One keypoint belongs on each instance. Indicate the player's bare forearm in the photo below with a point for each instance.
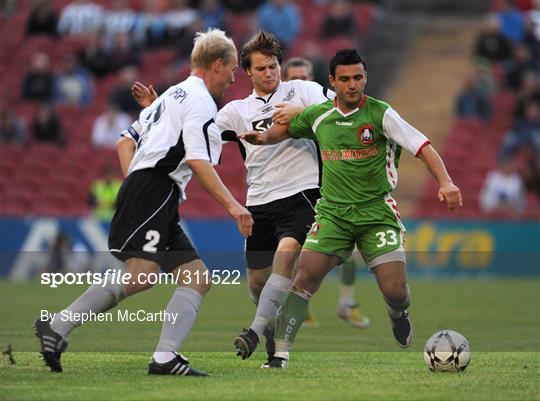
(448, 191)
(275, 134)
(125, 148)
(210, 181)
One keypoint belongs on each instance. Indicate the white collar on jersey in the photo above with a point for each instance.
(266, 98)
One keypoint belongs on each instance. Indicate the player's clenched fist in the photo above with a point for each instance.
(451, 194)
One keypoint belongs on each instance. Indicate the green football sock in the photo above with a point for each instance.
(348, 272)
(293, 313)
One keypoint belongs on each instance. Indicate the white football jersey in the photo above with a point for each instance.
(178, 126)
(280, 170)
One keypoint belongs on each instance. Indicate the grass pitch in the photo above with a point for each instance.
(335, 361)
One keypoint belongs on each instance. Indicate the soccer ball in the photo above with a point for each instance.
(447, 351)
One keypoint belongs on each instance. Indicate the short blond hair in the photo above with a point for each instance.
(210, 46)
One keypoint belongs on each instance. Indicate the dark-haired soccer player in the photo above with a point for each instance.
(347, 309)
(360, 139)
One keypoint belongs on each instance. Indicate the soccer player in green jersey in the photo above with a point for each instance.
(360, 140)
(347, 308)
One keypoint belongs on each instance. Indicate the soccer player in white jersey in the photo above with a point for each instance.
(174, 138)
(347, 308)
(283, 182)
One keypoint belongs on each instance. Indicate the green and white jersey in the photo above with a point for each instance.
(360, 149)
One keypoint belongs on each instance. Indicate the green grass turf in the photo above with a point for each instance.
(108, 360)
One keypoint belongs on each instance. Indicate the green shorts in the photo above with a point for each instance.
(375, 228)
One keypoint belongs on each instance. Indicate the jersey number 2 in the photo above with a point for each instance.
(153, 239)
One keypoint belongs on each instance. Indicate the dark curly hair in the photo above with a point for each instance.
(263, 42)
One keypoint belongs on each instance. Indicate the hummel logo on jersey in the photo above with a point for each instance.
(345, 123)
(289, 96)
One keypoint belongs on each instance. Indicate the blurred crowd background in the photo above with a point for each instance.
(66, 68)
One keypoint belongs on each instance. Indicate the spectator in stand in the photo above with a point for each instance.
(532, 42)
(533, 17)
(7, 8)
(516, 68)
(529, 169)
(103, 193)
(46, 127)
(38, 83)
(107, 127)
(529, 92)
(472, 101)
(182, 22)
(120, 95)
(339, 22)
(96, 57)
(43, 19)
(119, 19)
(525, 132)
(74, 85)
(12, 130)
(491, 44)
(212, 15)
(124, 52)
(485, 79)
(511, 20)
(503, 190)
(282, 18)
(178, 19)
(80, 18)
(150, 27)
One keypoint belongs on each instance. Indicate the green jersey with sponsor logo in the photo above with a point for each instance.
(359, 149)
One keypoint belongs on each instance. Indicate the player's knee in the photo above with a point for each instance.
(307, 280)
(398, 297)
(256, 284)
(204, 288)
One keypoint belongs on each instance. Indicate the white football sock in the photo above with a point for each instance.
(271, 298)
(184, 304)
(97, 298)
(346, 295)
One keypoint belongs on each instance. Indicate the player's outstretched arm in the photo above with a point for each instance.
(210, 181)
(276, 133)
(447, 190)
(144, 95)
(125, 147)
